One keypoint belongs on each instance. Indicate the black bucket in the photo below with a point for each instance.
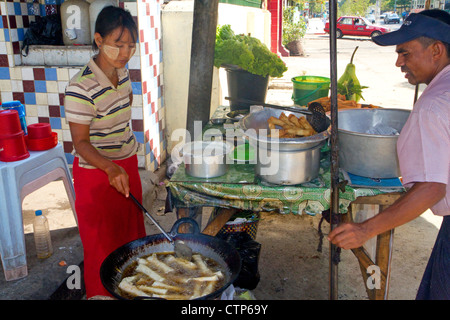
(245, 85)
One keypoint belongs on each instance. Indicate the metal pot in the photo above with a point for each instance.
(369, 155)
(288, 167)
(206, 159)
(222, 252)
(282, 161)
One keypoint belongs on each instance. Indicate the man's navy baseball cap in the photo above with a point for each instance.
(422, 24)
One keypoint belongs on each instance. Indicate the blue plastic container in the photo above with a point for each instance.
(20, 108)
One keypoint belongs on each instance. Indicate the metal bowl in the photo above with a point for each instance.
(282, 161)
(254, 123)
(365, 154)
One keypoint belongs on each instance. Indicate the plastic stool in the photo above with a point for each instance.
(17, 180)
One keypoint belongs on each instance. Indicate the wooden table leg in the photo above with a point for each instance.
(223, 215)
(182, 212)
(383, 260)
(213, 226)
(364, 263)
(377, 286)
(185, 213)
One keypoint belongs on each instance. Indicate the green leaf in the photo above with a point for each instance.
(246, 52)
(348, 88)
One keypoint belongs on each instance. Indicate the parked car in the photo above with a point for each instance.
(356, 26)
(391, 18)
(371, 18)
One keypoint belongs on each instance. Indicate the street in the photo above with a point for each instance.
(375, 68)
(316, 25)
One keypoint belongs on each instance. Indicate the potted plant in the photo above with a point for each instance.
(249, 64)
(293, 32)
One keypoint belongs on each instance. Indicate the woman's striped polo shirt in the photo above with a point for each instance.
(91, 99)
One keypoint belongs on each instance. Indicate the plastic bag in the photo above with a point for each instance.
(45, 30)
(249, 250)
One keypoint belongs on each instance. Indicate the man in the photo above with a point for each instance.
(423, 48)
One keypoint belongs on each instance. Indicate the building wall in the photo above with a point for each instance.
(419, 5)
(276, 33)
(177, 21)
(153, 111)
(41, 88)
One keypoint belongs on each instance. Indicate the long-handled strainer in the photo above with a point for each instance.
(181, 249)
(315, 114)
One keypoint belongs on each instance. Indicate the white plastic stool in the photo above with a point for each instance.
(17, 180)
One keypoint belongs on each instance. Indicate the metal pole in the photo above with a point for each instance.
(334, 209)
(202, 62)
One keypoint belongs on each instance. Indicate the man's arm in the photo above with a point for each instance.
(422, 196)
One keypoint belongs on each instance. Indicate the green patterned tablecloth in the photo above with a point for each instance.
(240, 188)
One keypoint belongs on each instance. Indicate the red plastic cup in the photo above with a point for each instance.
(42, 144)
(39, 131)
(13, 147)
(9, 122)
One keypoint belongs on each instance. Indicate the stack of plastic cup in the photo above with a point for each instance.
(12, 140)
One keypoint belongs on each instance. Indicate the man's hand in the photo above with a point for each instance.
(349, 235)
(418, 199)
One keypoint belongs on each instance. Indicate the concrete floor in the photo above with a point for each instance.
(56, 277)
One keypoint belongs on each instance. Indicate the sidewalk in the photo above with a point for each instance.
(315, 26)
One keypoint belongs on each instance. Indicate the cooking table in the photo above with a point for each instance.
(241, 188)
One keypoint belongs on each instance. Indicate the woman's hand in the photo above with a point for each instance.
(118, 178)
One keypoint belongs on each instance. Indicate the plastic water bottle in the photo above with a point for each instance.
(42, 238)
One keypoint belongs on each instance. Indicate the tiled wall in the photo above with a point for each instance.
(149, 23)
(41, 89)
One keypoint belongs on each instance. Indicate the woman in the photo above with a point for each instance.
(98, 108)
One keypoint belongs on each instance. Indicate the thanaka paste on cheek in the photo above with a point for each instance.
(111, 52)
(132, 53)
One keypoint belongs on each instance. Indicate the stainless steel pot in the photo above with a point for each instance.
(282, 161)
(369, 155)
(288, 167)
(206, 159)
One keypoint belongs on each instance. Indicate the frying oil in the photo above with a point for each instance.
(175, 277)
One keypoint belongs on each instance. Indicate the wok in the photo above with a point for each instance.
(222, 252)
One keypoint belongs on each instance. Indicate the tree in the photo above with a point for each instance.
(292, 29)
(315, 6)
(353, 7)
(396, 5)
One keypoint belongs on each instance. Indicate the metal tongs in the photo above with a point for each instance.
(315, 113)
